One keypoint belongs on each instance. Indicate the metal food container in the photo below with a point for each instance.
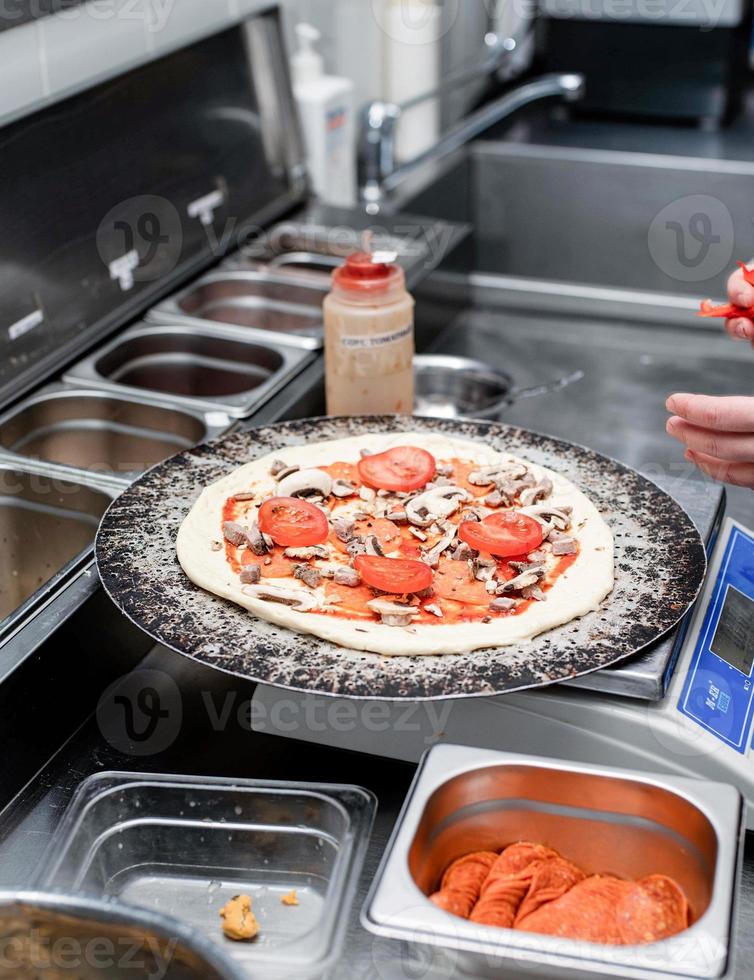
(311, 250)
(455, 387)
(208, 368)
(311, 263)
(47, 524)
(41, 934)
(182, 846)
(87, 430)
(604, 820)
(264, 304)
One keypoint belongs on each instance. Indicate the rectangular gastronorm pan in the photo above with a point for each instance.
(47, 525)
(182, 846)
(209, 368)
(605, 820)
(80, 429)
(311, 263)
(262, 305)
(312, 248)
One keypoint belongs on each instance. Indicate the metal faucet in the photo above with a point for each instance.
(379, 172)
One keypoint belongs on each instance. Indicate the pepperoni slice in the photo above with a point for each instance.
(279, 567)
(549, 880)
(386, 532)
(586, 912)
(509, 882)
(520, 856)
(462, 881)
(654, 909)
(533, 888)
(453, 580)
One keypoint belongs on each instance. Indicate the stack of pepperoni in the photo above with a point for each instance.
(532, 888)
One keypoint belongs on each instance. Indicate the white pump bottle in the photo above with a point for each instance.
(326, 108)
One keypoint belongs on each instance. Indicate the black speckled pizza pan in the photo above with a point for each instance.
(660, 567)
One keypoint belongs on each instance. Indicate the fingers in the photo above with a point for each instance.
(730, 413)
(729, 446)
(739, 474)
(739, 291)
(719, 434)
(740, 328)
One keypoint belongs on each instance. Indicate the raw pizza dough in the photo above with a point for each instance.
(579, 590)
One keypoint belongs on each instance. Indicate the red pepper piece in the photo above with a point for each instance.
(748, 273)
(728, 310)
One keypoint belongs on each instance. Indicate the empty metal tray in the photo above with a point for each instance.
(209, 368)
(46, 524)
(307, 262)
(310, 251)
(604, 820)
(84, 429)
(262, 304)
(183, 846)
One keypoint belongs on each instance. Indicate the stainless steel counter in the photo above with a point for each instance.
(200, 748)
(625, 372)
(627, 369)
(62, 688)
(616, 406)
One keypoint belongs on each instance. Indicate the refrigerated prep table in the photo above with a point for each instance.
(117, 355)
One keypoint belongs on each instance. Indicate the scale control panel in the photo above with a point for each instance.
(718, 690)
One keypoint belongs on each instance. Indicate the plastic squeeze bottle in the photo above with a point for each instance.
(369, 339)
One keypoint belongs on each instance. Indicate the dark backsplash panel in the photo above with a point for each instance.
(116, 169)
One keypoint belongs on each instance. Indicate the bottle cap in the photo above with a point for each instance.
(307, 64)
(362, 274)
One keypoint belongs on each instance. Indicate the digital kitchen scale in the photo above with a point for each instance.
(701, 727)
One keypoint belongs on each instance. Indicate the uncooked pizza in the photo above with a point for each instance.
(401, 544)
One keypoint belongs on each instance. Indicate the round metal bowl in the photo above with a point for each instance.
(454, 387)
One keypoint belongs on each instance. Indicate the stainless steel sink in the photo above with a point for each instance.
(84, 429)
(574, 273)
(627, 231)
(207, 368)
(46, 525)
(262, 303)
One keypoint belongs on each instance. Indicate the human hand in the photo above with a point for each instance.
(718, 433)
(740, 293)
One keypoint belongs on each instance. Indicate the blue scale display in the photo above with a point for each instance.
(718, 692)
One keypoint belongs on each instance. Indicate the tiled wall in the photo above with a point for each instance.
(342, 21)
(355, 44)
(47, 59)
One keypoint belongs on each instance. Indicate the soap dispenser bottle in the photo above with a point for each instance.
(326, 109)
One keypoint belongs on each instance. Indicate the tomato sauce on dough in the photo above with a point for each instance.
(461, 598)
